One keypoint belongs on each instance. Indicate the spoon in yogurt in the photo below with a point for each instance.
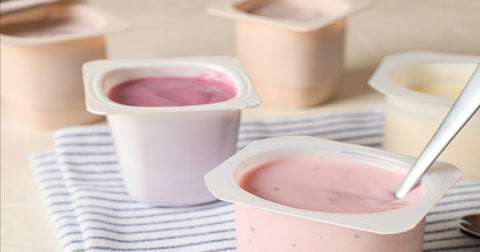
(462, 110)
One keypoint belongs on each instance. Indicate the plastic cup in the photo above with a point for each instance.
(263, 225)
(164, 152)
(420, 89)
(293, 63)
(43, 49)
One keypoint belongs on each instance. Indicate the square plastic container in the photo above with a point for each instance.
(293, 62)
(263, 225)
(43, 49)
(164, 152)
(420, 89)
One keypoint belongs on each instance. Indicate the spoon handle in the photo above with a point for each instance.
(465, 106)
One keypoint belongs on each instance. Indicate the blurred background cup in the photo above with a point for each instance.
(292, 50)
(42, 52)
(264, 225)
(420, 89)
(164, 152)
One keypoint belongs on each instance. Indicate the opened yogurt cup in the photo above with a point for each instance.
(420, 89)
(292, 49)
(43, 49)
(303, 193)
(165, 149)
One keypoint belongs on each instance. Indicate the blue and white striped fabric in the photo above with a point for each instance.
(90, 209)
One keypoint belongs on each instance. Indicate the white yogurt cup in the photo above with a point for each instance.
(263, 225)
(420, 89)
(292, 63)
(43, 49)
(164, 152)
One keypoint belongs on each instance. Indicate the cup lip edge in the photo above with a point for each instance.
(381, 82)
(229, 190)
(112, 24)
(226, 9)
(97, 101)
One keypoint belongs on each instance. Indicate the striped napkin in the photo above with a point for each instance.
(90, 209)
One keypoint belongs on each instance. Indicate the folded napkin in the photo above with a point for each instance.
(90, 209)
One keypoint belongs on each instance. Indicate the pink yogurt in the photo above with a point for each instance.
(299, 193)
(328, 184)
(171, 91)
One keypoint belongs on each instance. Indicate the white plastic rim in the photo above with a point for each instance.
(109, 23)
(222, 183)
(382, 81)
(95, 73)
(336, 10)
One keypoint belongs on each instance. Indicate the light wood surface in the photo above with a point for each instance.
(170, 28)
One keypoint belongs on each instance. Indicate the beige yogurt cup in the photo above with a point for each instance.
(420, 89)
(292, 50)
(43, 49)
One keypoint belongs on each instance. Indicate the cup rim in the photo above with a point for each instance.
(382, 82)
(221, 181)
(112, 24)
(94, 73)
(228, 10)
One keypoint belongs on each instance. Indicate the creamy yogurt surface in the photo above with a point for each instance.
(171, 91)
(328, 184)
(439, 88)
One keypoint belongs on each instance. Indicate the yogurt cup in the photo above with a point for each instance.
(294, 60)
(420, 89)
(263, 225)
(164, 152)
(43, 49)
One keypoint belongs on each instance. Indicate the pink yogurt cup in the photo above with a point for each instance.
(164, 152)
(263, 225)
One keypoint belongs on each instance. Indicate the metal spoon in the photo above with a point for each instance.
(470, 225)
(465, 106)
